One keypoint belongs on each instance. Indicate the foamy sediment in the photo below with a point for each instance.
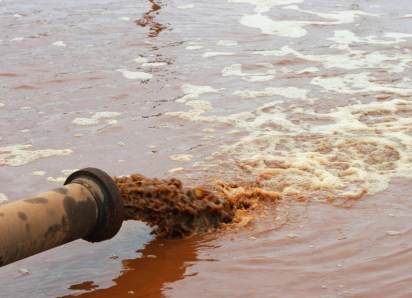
(353, 150)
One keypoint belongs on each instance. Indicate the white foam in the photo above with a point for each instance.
(68, 172)
(189, 6)
(175, 170)
(236, 70)
(124, 19)
(3, 198)
(226, 43)
(103, 115)
(85, 121)
(59, 43)
(288, 92)
(213, 54)
(351, 60)
(193, 48)
(232, 132)
(2, 105)
(294, 29)
(58, 179)
(264, 5)
(345, 38)
(264, 64)
(140, 60)
(209, 130)
(193, 92)
(258, 79)
(208, 138)
(17, 39)
(361, 83)
(18, 155)
(181, 157)
(154, 64)
(111, 122)
(39, 173)
(135, 75)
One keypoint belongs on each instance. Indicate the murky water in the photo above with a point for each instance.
(307, 99)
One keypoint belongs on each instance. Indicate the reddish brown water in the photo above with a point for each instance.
(309, 99)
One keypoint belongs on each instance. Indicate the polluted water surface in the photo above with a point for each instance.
(299, 109)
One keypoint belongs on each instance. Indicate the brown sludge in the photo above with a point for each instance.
(175, 211)
(178, 211)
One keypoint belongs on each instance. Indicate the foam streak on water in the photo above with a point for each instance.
(308, 100)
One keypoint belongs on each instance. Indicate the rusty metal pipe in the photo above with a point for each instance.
(88, 206)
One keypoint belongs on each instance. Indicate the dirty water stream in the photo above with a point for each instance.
(306, 101)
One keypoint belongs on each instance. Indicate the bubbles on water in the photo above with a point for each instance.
(192, 92)
(154, 64)
(213, 54)
(181, 157)
(85, 121)
(39, 173)
(111, 122)
(59, 43)
(24, 271)
(94, 120)
(141, 60)
(175, 170)
(135, 75)
(193, 48)
(183, 7)
(226, 43)
(393, 233)
(18, 155)
(68, 172)
(58, 179)
(3, 198)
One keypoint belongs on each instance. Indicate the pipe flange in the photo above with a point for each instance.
(110, 206)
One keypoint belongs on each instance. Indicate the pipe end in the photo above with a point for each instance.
(110, 206)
